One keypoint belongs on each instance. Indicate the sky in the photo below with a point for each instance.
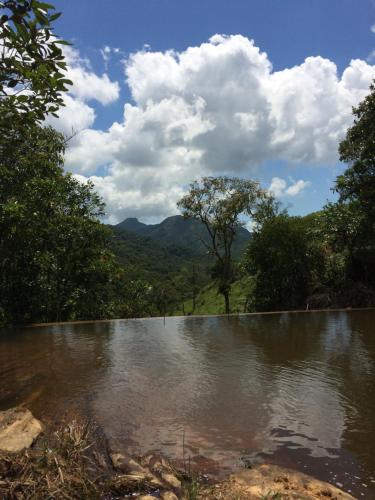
(167, 91)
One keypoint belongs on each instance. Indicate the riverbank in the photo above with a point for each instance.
(74, 462)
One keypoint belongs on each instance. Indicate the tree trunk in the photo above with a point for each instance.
(226, 298)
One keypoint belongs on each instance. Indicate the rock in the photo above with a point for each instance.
(18, 429)
(262, 479)
(168, 495)
(160, 464)
(127, 464)
(136, 468)
(119, 461)
(155, 481)
(171, 480)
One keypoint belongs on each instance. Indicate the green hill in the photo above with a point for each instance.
(149, 259)
(169, 257)
(180, 232)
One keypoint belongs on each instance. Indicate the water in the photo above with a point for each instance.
(294, 389)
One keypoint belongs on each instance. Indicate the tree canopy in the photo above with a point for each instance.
(280, 258)
(32, 65)
(55, 258)
(222, 204)
(55, 262)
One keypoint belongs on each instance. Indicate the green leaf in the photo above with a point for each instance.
(54, 17)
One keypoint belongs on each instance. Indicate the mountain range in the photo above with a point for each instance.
(175, 231)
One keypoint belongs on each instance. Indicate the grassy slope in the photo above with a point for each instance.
(209, 301)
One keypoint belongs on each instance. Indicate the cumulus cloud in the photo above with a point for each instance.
(213, 109)
(87, 85)
(74, 116)
(372, 28)
(77, 115)
(279, 187)
(297, 187)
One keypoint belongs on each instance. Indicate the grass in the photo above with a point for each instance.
(191, 487)
(209, 301)
(68, 464)
(55, 469)
(271, 495)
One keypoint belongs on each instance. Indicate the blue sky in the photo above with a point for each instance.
(276, 118)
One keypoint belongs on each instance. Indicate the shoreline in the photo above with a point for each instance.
(231, 315)
(76, 462)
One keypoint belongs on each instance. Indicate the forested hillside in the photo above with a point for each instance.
(184, 233)
(171, 261)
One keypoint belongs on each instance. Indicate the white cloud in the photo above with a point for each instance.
(212, 109)
(86, 84)
(107, 52)
(372, 28)
(277, 187)
(280, 188)
(77, 115)
(74, 116)
(297, 187)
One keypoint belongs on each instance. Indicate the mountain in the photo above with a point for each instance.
(177, 231)
(147, 258)
(170, 258)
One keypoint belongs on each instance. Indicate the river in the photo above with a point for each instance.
(295, 389)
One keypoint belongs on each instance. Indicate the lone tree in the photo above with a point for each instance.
(222, 204)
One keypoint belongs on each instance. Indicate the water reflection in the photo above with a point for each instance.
(53, 369)
(296, 389)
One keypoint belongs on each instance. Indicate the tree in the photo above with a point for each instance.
(356, 189)
(280, 259)
(55, 258)
(55, 262)
(32, 65)
(222, 204)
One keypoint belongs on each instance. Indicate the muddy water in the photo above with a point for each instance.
(294, 389)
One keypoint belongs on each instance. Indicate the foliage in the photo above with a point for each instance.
(356, 189)
(325, 259)
(133, 297)
(32, 66)
(54, 258)
(280, 259)
(218, 203)
(209, 301)
(171, 273)
(180, 236)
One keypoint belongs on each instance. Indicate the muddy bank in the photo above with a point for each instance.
(74, 462)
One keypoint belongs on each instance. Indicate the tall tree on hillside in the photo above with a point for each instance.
(223, 204)
(356, 189)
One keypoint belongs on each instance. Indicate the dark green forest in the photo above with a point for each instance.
(59, 261)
